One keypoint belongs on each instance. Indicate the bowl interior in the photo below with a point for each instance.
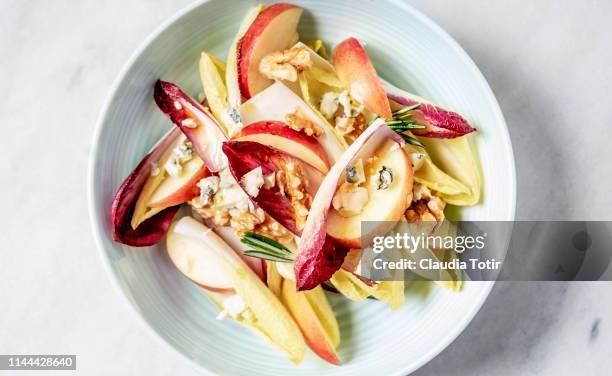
(409, 51)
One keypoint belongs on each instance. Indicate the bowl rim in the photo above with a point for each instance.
(95, 219)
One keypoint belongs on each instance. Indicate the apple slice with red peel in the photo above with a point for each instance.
(234, 98)
(195, 258)
(278, 135)
(313, 314)
(154, 228)
(271, 316)
(278, 101)
(438, 122)
(228, 234)
(244, 156)
(315, 248)
(384, 207)
(195, 122)
(274, 29)
(180, 189)
(142, 209)
(356, 71)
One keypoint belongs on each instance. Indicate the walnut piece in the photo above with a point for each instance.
(292, 183)
(425, 206)
(285, 65)
(298, 123)
(350, 127)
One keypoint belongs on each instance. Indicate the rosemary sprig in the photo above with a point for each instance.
(406, 109)
(266, 248)
(411, 140)
(402, 122)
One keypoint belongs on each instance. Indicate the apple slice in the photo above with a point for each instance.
(438, 122)
(314, 316)
(195, 122)
(278, 135)
(245, 156)
(356, 71)
(278, 101)
(272, 317)
(151, 230)
(234, 98)
(312, 264)
(274, 29)
(385, 206)
(196, 259)
(142, 208)
(180, 189)
(228, 234)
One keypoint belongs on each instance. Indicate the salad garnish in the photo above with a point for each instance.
(265, 248)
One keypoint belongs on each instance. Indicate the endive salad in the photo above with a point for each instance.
(277, 165)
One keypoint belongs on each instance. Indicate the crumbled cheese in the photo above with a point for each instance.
(385, 178)
(355, 174)
(350, 199)
(177, 105)
(232, 197)
(329, 104)
(344, 125)
(227, 179)
(154, 169)
(345, 100)
(233, 306)
(252, 181)
(417, 160)
(181, 154)
(421, 192)
(209, 186)
(184, 152)
(173, 167)
(232, 116)
(189, 123)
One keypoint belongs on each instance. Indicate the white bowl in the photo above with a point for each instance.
(410, 51)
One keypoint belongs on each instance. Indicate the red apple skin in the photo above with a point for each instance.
(309, 324)
(356, 71)
(277, 128)
(249, 39)
(213, 289)
(186, 192)
(438, 122)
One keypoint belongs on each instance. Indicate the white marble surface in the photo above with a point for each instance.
(547, 61)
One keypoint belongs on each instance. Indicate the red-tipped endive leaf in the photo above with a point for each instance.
(317, 259)
(438, 122)
(153, 229)
(244, 156)
(194, 121)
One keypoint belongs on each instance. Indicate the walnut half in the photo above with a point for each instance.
(285, 65)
